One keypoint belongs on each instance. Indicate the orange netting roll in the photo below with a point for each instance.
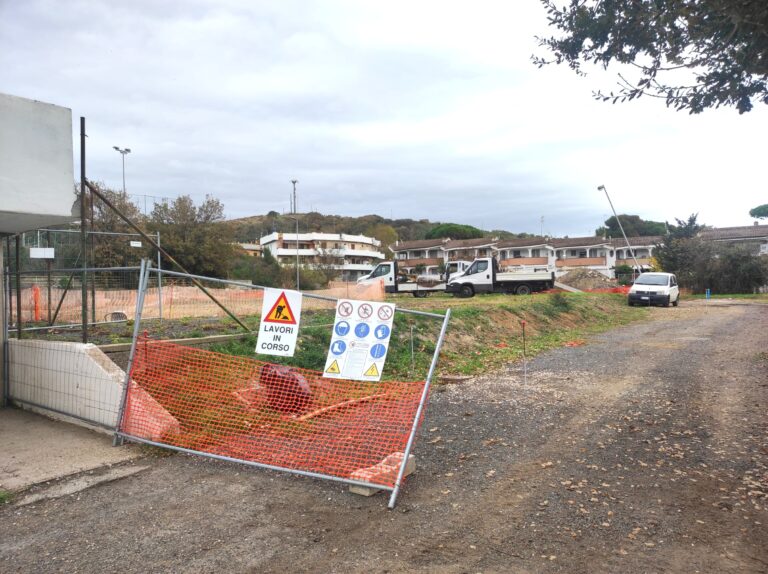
(270, 414)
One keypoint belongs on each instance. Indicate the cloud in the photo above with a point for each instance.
(422, 110)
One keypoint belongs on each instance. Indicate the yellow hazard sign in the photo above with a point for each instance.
(281, 312)
(333, 368)
(372, 371)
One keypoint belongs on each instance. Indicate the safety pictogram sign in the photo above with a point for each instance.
(360, 340)
(280, 317)
(333, 368)
(373, 371)
(281, 311)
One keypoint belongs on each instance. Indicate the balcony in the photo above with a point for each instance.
(523, 261)
(415, 262)
(642, 261)
(581, 262)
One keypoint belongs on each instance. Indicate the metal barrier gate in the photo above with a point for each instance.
(271, 416)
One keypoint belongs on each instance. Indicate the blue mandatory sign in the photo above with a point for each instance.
(338, 347)
(378, 351)
(362, 330)
(341, 328)
(381, 332)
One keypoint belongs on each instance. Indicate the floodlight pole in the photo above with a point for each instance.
(124, 152)
(631, 251)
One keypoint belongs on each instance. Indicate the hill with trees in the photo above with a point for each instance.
(250, 229)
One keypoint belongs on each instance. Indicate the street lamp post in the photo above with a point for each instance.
(296, 219)
(631, 251)
(122, 152)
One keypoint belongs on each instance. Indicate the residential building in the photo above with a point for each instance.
(252, 249)
(424, 256)
(530, 251)
(352, 255)
(755, 237)
(469, 249)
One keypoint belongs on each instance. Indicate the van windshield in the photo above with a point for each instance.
(652, 279)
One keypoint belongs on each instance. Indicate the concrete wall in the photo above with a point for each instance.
(78, 383)
(73, 378)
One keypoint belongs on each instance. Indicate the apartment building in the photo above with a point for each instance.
(560, 255)
(754, 237)
(424, 256)
(352, 255)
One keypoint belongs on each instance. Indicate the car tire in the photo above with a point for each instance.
(666, 303)
(420, 294)
(676, 301)
(523, 289)
(467, 291)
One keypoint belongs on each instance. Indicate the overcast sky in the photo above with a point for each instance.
(419, 109)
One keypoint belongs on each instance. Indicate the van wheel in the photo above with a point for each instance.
(676, 301)
(467, 291)
(666, 303)
(523, 289)
(420, 294)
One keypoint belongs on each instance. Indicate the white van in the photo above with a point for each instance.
(654, 289)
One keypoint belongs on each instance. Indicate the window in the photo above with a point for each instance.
(478, 267)
(516, 254)
(381, 270)
(535, 252)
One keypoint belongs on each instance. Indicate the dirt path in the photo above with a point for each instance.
(645, 450)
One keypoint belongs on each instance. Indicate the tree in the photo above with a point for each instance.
(734, 269)
(633, 226)
(262, 270)
(721, 45)
(195, 236)
(759, 212)
(454, 231)
(116, 250)
(681, 251)
(386, 234)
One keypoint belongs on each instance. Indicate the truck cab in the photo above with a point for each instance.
(483, 276)
(479, 277)
(386, 272)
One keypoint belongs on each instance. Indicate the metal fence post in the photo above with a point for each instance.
(143, 277)
(159, 280)
(422, 402)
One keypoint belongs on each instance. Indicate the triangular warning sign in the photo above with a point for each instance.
(373, 371)
(280, 312)
(333, 368)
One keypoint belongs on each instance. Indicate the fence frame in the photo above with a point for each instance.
(120, 436)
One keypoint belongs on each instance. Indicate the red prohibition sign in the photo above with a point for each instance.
(385, 313)
(345, 309)
(365, 310)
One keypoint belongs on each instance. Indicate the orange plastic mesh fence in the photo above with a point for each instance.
(270, 414)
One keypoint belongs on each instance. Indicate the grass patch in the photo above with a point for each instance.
(5, 496)
(484, 333)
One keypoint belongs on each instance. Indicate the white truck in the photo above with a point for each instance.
(483, 276)
(421, 286)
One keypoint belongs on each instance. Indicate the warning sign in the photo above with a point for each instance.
(373, 371)
(281, 311)
(333, 368)
(360, 340)
(279, 328)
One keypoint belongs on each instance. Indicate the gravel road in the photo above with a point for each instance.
(645, 450)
